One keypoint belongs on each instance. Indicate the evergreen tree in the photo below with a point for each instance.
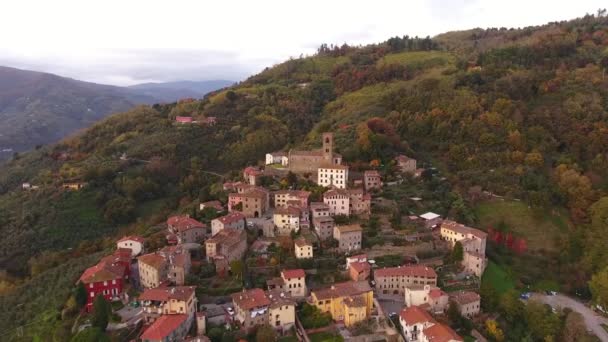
(101, 313)
(81, 295)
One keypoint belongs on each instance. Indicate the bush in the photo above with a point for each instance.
(312, 317)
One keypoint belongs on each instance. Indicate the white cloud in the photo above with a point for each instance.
(128, 41)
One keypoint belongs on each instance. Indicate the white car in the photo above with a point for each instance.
(230, 311)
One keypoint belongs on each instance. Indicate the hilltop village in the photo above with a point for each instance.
(291, 264)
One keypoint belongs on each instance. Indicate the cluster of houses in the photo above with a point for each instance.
(170, 308)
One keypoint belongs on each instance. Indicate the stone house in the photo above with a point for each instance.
(372, 180)
(349, 237)
(234, 220)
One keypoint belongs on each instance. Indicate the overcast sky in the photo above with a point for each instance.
(125, 42)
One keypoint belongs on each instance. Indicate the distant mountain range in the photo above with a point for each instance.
(171, 91)
(38, 108)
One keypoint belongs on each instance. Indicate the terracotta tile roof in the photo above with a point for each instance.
(102, 272)
(250, 299)
(231, 218)
(465, 297)
(441, 333)
(371, 173)
(462, 229)
(415, 314)
(349, 288)
(437, 293)
(315, 153)
(154, 260)
(213, 204)
(354, 302)
(407, 270)
(228, 237)
(255, 193)
(279, 298)
(302, 242)
(336, 193)
(360, 266)
(322, 219)
(296, 273)
(183, 223)
(333, 166)
(319, 206)
(133, 238)
(349, 228)
(295, 193)
(293, 211)
(163, 294)
(163, 327)
(252, 171)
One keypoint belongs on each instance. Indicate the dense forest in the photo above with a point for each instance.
(520, 113)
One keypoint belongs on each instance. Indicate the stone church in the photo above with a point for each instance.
(310, 161)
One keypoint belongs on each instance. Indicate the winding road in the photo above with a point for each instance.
(593, 320)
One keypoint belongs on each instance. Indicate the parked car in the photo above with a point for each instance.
(525, 296)
(230, 311)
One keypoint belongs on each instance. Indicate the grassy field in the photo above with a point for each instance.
(498, 277)
(325, 337)
(539, 227)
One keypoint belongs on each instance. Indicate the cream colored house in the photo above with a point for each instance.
(405, 164)
(152, 270)
(468, 302)
(282, 310)
(303, 249)
(333, 175)
(230, 243)
(234, 220)
(283, 198)
(338, 202)
(473, 243)
(347, 202)
(394, 280)
(427, 296)
(349, 237)
(291, 281)
(255, 307)
(177, 300)
(286, 220)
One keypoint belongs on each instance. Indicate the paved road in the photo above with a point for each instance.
(593, 320)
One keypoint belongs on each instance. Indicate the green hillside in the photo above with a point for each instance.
(521, 113)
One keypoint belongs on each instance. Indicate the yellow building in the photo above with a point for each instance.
(350, 302)
(178, 300)
(355, 311)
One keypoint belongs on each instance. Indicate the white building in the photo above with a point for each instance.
(134, 243)
(473, 243)
(413, 321)
(431, 297)
(338, 202)
(333, 176)
(277, 158)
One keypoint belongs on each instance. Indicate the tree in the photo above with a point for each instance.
(80, 295)
(575, 329)
(457, 252)
(101, 313)
(494, 330)
(92, 334)
(599, 287)
(236, 267)
(511, 306)
(266, 333)
(542, 323)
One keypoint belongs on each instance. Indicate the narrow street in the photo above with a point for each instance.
(593, 320)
